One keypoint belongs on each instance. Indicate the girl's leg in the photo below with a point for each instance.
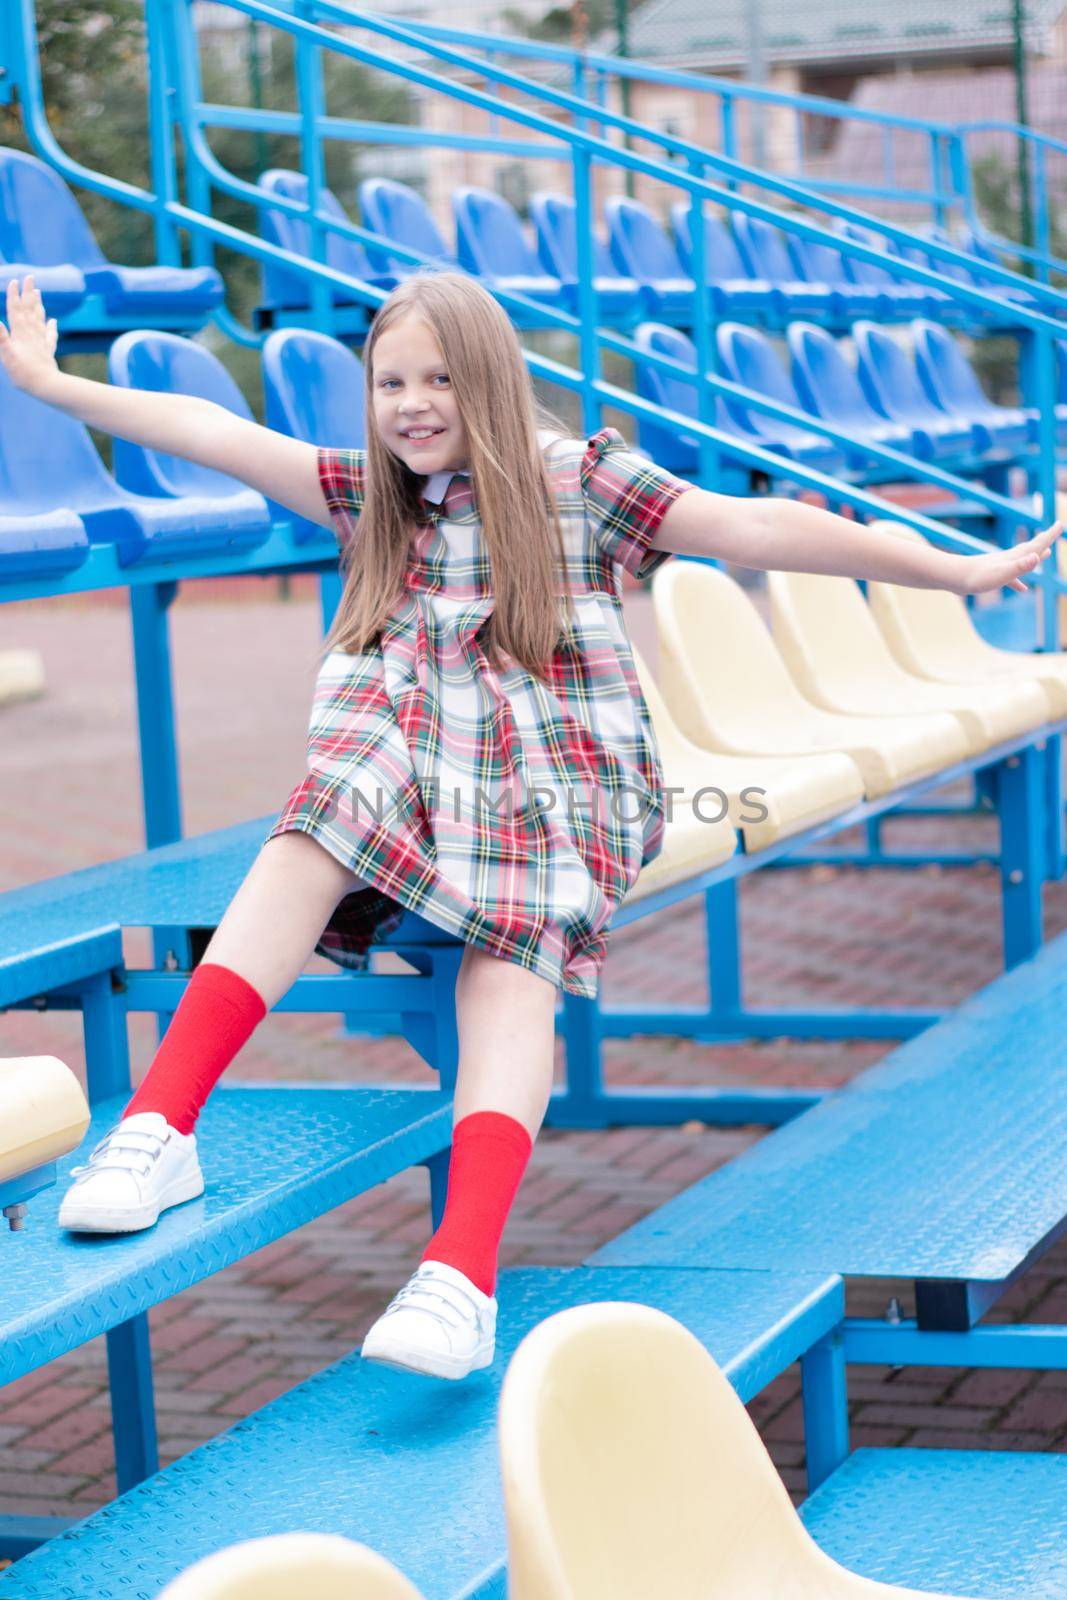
(256, 953)
(506, 1021)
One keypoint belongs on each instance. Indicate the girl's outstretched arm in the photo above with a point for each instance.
(790, 536)
(284, 469)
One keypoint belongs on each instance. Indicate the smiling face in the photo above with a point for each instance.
(415, 409)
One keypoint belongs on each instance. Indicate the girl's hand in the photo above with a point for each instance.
(1005, 570)
(28, 343)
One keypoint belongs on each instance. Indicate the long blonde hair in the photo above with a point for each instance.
(512, 490)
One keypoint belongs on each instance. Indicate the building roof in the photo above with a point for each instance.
(692, 33)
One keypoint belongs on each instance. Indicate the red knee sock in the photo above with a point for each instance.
(489, 1156)
(217, 1013)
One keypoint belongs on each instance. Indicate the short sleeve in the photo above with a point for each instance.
(626, 498)
(343, 475)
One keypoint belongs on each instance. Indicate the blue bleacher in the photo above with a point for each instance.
(399, 213)
(41, 543)
(490, 243)
(908, 299)
(620, 301)
(829, 387)
(287, 291)
(48, 459)
(165, 363)
(42, 223)
(822, 263)
(889, 380)
(62, 288)
(314, 389)
(749, 360)
(641, 249)
(680, 452)
(735, 293)
(960, 1212)
(953, 384)
(764, 252)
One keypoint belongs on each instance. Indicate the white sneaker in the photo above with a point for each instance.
(440, 1324)
(136, 1171)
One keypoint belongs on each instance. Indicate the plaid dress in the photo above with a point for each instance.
(511, 812)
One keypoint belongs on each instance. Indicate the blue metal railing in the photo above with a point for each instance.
(175, 103)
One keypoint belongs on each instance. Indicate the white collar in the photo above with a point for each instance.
(436, 486)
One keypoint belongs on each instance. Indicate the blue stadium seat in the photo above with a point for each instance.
(167, 364)
(677, 452)
(972, 276)
(285, 290)
(641, 250)
(907, 299)
(42, 545)
(748, 358)
(822, 263)
(491, 244)
(620, 301)
(401, 214)
(48, 459)
(314, 390)
(734, 293)
(763, 250)
(828, 387)
(41, 222)
(951, 382)
(889, 380)
(62, 288)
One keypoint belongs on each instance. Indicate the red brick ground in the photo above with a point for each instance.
(243, 673)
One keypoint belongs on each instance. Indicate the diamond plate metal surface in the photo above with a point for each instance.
(948, 1160)
(272, 1158)
(35, 968)
(187, 884)
(960, 1522)
(407, 1464)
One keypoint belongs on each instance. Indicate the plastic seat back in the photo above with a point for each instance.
(314, 388)
(489, 236)
(399, 213)
(640, 246)
(631, 1468)
(704, 617)
(887, 375)
(168, 364)
(284, 288)
(554, 217)
(818, 263)
(315, 1566)
(867, 271)
(722, 259)
(46, 458)
(763, 247)
(749, 358)
(825, 382)
(945, 373)
(41, 223)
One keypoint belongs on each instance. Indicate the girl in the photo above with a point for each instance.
(477, 741)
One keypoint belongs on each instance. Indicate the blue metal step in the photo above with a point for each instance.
(960, 1522)
(273, 1158)
(407, 1464)
(945, 1162)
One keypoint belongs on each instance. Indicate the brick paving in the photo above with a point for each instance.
(244, 663)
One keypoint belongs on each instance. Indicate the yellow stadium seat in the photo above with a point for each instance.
(43, 1113)
(292, 1566)
(796, 792)
(631, 1469)
(728, 689)
(840, 660)
(931, 634)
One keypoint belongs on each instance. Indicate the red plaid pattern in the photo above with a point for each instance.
(511, 812)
